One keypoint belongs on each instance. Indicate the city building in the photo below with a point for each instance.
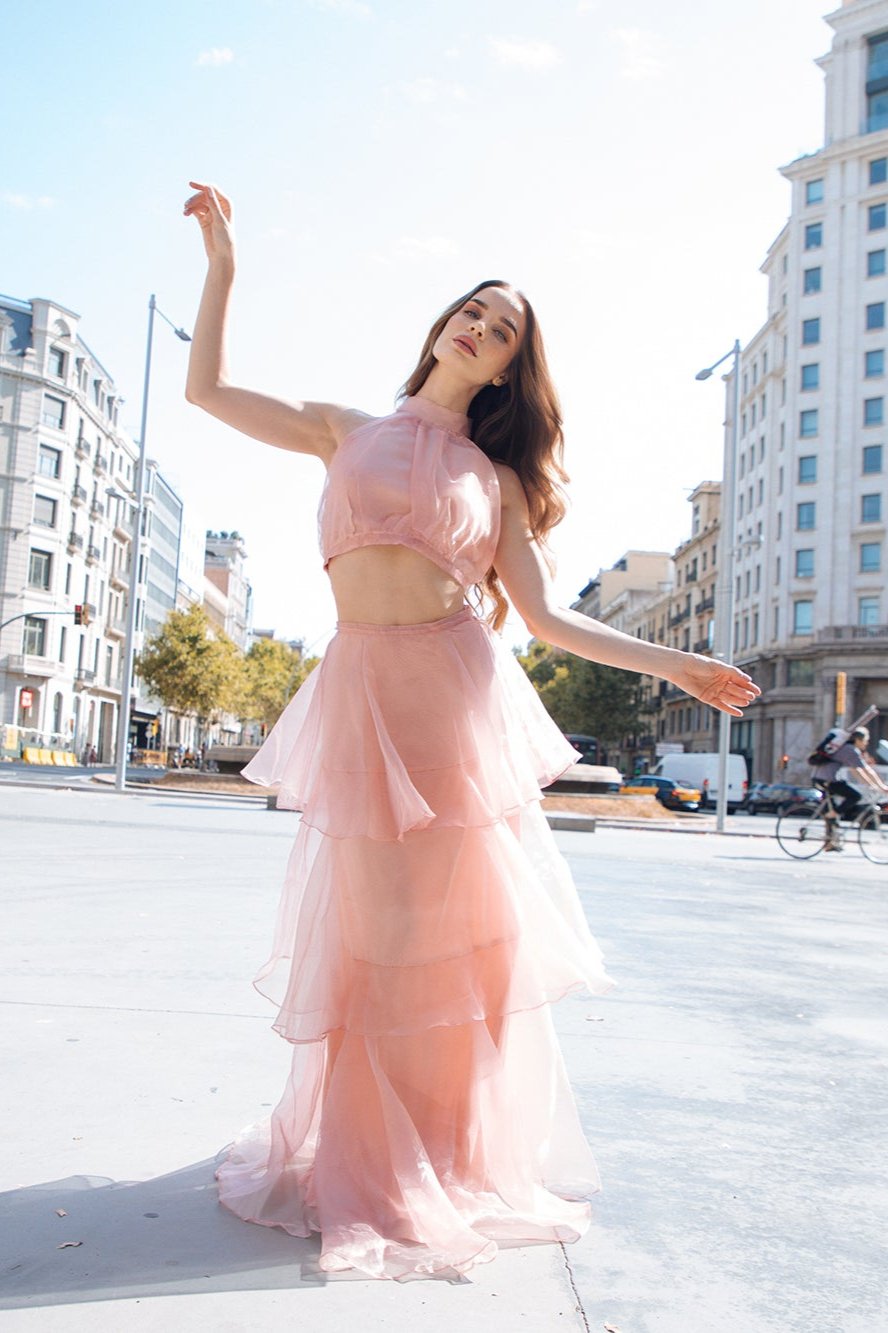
(811, 504)
(228, 596)
(66, 527)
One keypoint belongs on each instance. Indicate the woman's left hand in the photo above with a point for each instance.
(724, 687)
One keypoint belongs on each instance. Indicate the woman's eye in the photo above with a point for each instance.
(472, 314)
(502, 337)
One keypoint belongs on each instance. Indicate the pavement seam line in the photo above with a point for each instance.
(573, 1286)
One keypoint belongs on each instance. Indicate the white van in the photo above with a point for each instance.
(701, 770)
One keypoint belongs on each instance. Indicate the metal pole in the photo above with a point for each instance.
(126, 684)
(726, 558)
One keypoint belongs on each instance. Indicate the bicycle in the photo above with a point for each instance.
(804, 829)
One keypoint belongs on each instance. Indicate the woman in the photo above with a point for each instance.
(427, 919)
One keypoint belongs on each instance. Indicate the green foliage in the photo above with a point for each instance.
(273, 673)
(191, 666)
(581, 696)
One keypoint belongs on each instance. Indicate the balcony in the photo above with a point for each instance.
(96, 509)
(707, 604)
(116, 628)
(81, 448)
(92, 554)
(123, 529)
(90, 612)
(679, 617)
(120, 579)
(78, 495)
(75, 542)
(852, 633)
(702, 646)
(110, 685)
(101, 463)
(30, 664)
(83, 677)
(691, 576)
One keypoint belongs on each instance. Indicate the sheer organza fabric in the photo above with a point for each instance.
(427, 921)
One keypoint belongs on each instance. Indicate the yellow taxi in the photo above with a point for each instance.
(671, 794)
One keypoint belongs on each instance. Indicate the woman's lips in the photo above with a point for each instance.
(467, 344)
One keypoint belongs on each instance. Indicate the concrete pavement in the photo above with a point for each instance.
(732, 1086)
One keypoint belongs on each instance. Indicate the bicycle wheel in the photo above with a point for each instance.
(802, 832)
(873, 837)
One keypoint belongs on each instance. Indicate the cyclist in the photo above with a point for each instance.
(849, 755)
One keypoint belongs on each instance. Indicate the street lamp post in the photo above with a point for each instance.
(126, 684)
(724, 610)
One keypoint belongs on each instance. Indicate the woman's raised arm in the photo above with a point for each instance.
(309, 428)
(523, 573)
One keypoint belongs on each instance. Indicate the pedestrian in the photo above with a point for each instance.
(427, 919)
(852, 754)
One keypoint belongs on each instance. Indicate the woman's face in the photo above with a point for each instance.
(480, 340)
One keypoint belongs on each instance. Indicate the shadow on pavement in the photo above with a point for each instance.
(156, 1237)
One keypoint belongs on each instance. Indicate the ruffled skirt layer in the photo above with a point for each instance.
(427, 920)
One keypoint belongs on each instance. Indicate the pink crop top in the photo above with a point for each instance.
(414, 479)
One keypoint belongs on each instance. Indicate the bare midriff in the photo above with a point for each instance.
(392, 585)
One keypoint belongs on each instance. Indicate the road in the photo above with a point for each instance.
(732, 1086)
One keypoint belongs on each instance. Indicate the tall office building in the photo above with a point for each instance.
(809, 524)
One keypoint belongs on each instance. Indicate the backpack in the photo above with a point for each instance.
(827, 747)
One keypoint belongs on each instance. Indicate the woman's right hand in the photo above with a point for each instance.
(213, 212)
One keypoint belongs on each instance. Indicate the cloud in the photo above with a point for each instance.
(428, 90)
(216, 56)
(525, 53)
(27, 201)
(425, 247)
(587, 6)
(642, 58)
(356, 8)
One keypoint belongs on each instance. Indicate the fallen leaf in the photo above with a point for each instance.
(60, 1212)
(611, 1328)
(69, 1244)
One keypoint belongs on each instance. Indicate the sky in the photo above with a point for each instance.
(619, 163)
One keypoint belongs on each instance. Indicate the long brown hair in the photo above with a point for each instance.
(518, 423)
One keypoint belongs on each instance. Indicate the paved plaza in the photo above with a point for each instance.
(733, 1086)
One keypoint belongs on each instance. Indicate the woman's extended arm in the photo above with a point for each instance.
(311, 428)
(524, 576)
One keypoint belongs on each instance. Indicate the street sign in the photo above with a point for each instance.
(26, 698)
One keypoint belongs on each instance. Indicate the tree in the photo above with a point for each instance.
(584, 697)
(191, 666)
(273, 673)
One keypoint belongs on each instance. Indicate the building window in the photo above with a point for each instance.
(44, 511)
(804, 566)
(814, 191)
(874, 364)
(799, 672)
(803, 617)
(808, 422)
(813, 238)
(875, 315)
(811, 376)
(57, 363)
(868, 611)
(877, 83)
(812, 282)
(875, 263)
(810, 332)
(806, 516)
(876, 217)
(761, 492)
(777, 571)
(872, 458)
(870, 557)
(53, 412)
(49, 461)
(780, 481)
(878, 170)
(34, 637)
(39, 568)
(807, 469)
(871, 508)
(873, 411)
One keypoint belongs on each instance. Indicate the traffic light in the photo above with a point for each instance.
(81, 614)
(784, 763)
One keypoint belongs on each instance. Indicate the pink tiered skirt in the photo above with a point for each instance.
(426, 923)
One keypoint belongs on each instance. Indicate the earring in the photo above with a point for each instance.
(500, 379)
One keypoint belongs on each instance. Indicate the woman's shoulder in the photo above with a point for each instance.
(511, 486)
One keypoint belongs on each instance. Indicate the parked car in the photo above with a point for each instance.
(671, 794)
(778, 797)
